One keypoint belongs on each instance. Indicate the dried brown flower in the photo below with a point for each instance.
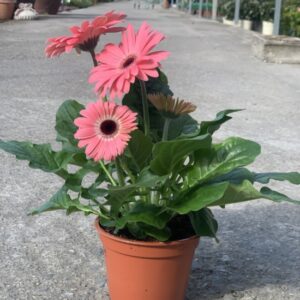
(171, 107)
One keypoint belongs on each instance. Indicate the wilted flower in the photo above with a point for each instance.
(171, 107)
(104, 129)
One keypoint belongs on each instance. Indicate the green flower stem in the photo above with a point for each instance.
(127, 170)
(107, 173)
(119, 172)
(93, 55)
(166, 129)
(145, 108)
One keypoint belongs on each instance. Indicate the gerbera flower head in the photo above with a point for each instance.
(85, 37)
(170, 107)
(104, 129)
(121, 64)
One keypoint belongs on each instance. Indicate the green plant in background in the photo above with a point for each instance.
(79, 3)
(227, 9)
(267, 10)
(290, 21)
(250, 10)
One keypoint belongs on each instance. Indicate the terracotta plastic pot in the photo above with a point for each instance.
(7, 8)
(139, 270)
(47, 6)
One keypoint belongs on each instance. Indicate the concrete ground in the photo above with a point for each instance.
(57, 257)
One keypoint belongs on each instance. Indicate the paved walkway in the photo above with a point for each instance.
(54, 257)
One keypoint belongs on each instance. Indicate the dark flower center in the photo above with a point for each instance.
(129, 60)
(108, 127)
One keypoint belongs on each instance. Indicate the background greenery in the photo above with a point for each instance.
(263, 10)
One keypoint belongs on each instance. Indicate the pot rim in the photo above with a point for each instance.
(142, 243)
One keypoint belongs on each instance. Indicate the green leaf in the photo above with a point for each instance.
(238, 193)
(133, 101)
(221, 159)
(93, 193)
(140, 231)
(148, 179)
(73, 181)
(39, 156)
(267, 193)
(221, 117)
(118, 196)
(246, 191)
(292, 177)
(204, 223)
(196, 199)
(158, 84)
(161, 235)
(122, 194)
(167, 154)
(147, 213)
(65, 127)
(236, 176)
(140, 148)
(136, 230)
(62, 200)
(184, 124)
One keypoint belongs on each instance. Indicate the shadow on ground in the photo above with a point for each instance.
(251, 255)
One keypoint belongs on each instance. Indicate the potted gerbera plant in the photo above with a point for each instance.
(158, 171)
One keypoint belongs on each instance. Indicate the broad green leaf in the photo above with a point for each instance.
(199, 198)
(147, 213)
(122, 194)
(141, 231)
(140, 148)
(292, 177)
(204, 223)
(39, 156)
(65, 127)
(167, 154)
(118, 196)
(161, 235)
(184, 124)
(221, 117)
(136, 230)
(267, 193)
(238, 193)
(73, 181)
(158, 84)
(93, 193)
(222, 158)
(240, 174)
(62, 200)
(246, 191)
(236, 176)
(148, 179)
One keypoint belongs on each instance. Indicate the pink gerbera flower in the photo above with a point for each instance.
(121, 64)
(86, 36)
(104, 129)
